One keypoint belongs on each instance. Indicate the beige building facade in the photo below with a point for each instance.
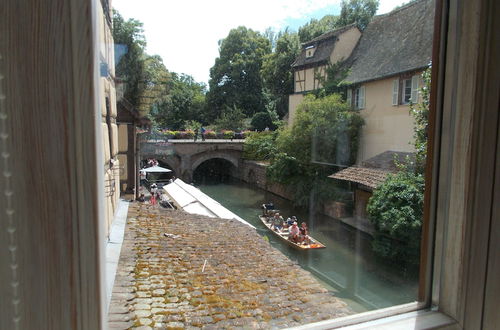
(384, 63)
(309, 69)
(107, 97)
(388, 122)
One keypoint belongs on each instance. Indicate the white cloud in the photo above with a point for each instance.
(185, 33)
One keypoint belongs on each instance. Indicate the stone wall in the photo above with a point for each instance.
(254, 172)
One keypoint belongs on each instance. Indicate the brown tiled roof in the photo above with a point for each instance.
(394, 43)
(374, 171)
(324, 47)
(370, 177)
(386, 160)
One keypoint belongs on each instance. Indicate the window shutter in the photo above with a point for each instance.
(414, 89)
(361, 104)
(349, 97)
(395, 91)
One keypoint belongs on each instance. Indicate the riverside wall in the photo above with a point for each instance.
(254, 172)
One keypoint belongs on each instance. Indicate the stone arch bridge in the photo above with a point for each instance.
(184, 156)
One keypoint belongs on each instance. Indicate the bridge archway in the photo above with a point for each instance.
(216, 167)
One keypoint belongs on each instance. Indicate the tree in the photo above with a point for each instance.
(357, 11)
(261, 121)
(155, 82)
(314, 28)
(235, 79)
(230, 119)
(396, 210)
(129, 55)
(184, 102)
(260, 145)
(323, 138)
(276, 70)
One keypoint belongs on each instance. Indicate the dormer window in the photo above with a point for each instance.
(310, 51)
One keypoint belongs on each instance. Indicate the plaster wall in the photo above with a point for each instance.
(387, 127)
(345, 45)
(293, 102)
(122, 138)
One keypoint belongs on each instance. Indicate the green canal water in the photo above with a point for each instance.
(346, 266)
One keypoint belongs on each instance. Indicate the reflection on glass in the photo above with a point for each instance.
(337, 138)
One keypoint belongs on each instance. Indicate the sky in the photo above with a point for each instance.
(185, 33)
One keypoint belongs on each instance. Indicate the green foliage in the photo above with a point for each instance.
(420, 113)
(276, 70)
(396, 207)
(315, 27)
(324, 136)
(184, 103)
(325, 130)
(209, 134)
(193, 125)
(155, 83)
(261, 120)
(235, 79)
(333, 81)
(396, 210)
(357, 11)
(129, 55)
(232, 118)
(259, 146)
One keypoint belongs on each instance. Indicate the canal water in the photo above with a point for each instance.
(346, 266)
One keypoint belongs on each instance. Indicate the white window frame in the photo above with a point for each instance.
(406, 91)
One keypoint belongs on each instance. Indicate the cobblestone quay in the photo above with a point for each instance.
(178, 270)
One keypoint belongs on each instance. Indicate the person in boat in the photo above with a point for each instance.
(304, 234)
(268, 207)
(277, 223)
(294, 233)
(287, 223)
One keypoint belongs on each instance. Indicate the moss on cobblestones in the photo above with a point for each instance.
(203, 277)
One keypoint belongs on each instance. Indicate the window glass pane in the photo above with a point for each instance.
(267, 136)
(406, 90)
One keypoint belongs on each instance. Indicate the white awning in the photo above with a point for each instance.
(155, 169)
(193, 200)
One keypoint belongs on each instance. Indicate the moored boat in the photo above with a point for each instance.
(283, 234)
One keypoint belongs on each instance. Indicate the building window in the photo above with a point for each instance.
(310, 51)
(359, 97)
(406, 92)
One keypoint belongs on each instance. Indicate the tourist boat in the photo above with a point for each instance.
(283, 234)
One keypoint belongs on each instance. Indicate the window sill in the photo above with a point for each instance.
(380, 319)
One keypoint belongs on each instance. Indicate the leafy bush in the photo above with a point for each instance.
(396, 210)
(261, 121)
(324, 137)
(231, 119)
(209, 134)
(259, 146)
(227, 134)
